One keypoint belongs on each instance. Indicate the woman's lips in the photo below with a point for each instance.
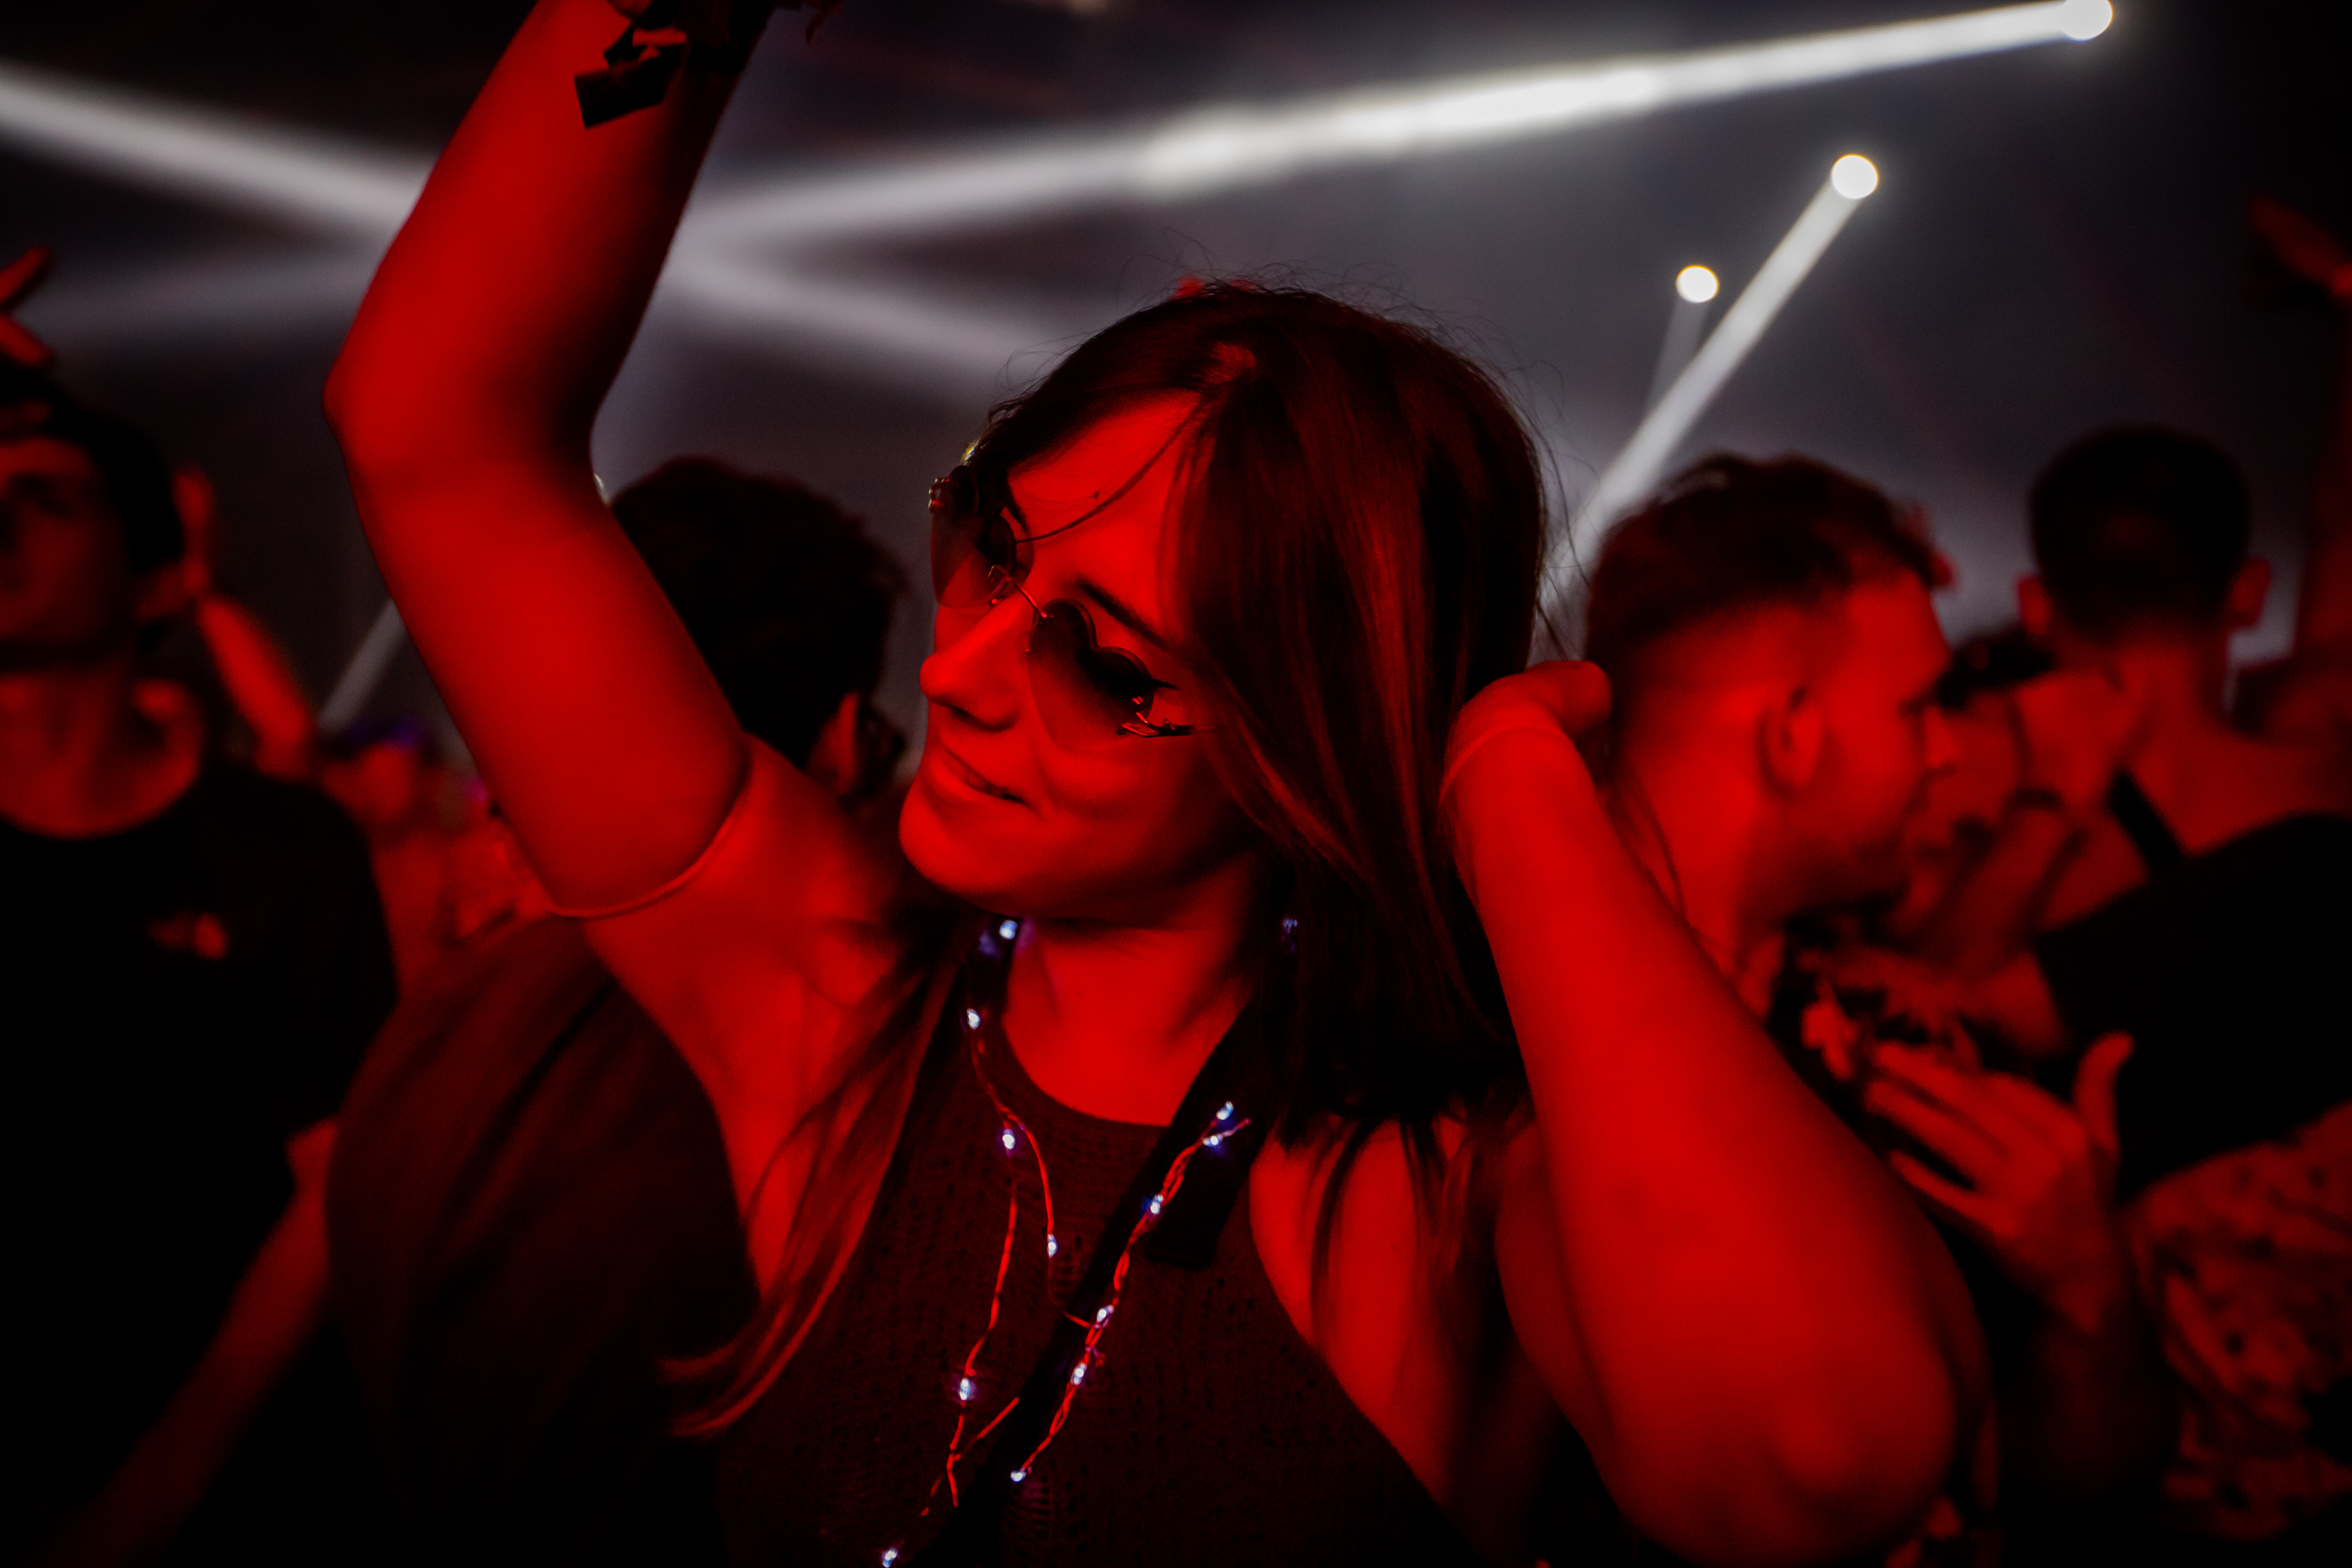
(975, 778)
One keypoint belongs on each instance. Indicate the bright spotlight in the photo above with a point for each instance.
(1638, 467)
(1696, 284)
(1204, 152)
(2085, 19)
(1853, 176)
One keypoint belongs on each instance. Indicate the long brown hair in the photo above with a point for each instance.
(1360, 543)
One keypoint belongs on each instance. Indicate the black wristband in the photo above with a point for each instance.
(645, 58)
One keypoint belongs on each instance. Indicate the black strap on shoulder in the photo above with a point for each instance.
(2159, 849)
(1184, 1234)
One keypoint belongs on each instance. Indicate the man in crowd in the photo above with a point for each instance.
(192, 959)
(532, 1213)
(1774, 658)
(2200, 909)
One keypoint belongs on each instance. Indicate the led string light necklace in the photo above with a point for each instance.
(1224, 1125)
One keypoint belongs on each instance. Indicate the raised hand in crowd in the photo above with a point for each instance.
(254, 671)
(2308, 695)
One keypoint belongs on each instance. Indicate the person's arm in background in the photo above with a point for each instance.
(2088, 1419)
(253, 669)
(276, 1308)
(1754, 1329)
(2310, 697)
(2324, 611)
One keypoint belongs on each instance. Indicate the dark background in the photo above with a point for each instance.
(2058, 242)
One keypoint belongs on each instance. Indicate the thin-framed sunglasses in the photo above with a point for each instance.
(1087, 695)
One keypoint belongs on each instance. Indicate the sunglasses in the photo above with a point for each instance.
(1087, 695)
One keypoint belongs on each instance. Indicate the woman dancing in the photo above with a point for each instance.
(1319, 1111)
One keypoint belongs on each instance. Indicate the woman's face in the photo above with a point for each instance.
(1006, 817)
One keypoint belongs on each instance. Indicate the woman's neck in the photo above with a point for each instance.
(1115, 1020)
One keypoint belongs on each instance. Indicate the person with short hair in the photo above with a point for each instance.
(2201, 925)
(1773, 656)
(193, 958)
(1770, 630)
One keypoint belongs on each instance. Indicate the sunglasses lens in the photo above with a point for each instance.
(1085, 693)
(968, 550)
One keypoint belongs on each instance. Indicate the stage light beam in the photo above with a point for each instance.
(1695, 289)
(305, 177)
(1643, 461)
(1221, 149)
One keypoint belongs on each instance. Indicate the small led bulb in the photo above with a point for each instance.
(1009, 930)
(1225, 1111)
(1103, 1316)
(1020, 1475)
(1154, 1206)
(971, 1017)
(963, 1391)
(1009, 1139)
(890, 1556)
(1052, 1247)
(1078, 1374)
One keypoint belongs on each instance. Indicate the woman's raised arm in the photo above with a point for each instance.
(1754, 1331)
(464, 399)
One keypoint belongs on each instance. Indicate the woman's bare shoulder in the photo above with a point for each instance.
(780, 931)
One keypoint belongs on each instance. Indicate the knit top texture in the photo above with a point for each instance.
(1209, 1431)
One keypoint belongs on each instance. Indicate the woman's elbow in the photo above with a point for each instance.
(1859, 1470)
(1848, 1464)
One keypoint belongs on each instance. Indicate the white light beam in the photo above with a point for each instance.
(1224, 148)
(365, 671)
(1695, 289)
(305, 177)
(1638, 466)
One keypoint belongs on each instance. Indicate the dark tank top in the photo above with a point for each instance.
(1209, 1431)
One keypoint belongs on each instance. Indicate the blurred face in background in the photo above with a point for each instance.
(66, 591)
(1885, 740)
(1010, 815)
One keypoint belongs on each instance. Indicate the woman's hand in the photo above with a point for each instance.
(1559, 698)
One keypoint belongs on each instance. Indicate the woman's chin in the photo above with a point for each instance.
(947, 860)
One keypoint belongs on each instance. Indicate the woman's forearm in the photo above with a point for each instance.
(1758, 1303)
(464, 400)
(501, 315)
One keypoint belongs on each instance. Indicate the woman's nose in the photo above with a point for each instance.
(975, 667)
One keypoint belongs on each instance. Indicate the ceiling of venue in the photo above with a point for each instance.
(2057, 242)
